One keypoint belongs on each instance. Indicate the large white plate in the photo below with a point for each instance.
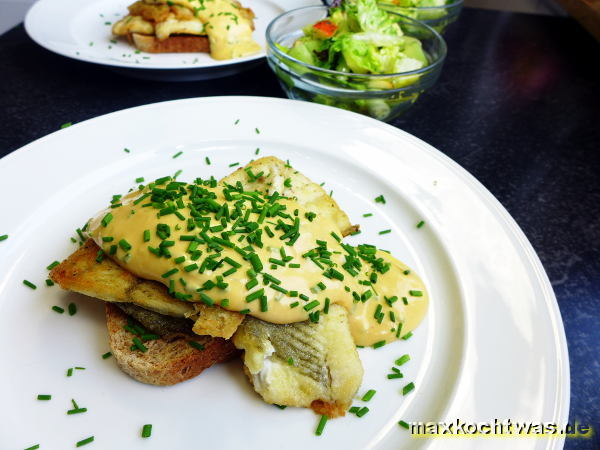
(492, 345)
(82, 30)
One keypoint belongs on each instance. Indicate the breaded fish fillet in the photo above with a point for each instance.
(270, 175)
(302, 364)
(108, 281)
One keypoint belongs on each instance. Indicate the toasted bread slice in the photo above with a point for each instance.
(308, 193)
(172, 44)
(108, 281)
(168, 360)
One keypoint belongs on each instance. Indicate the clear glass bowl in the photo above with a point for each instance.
(383, 97)
(437, 17)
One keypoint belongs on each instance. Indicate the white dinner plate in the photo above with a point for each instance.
(492, 345)
(82, 30)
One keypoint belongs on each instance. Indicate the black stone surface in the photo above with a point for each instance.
(518, 105)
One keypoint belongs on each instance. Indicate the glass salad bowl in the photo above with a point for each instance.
(438, 14)
(382, 96)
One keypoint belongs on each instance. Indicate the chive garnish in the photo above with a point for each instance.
(106, 355)
(416, 293)
(196, 345)
(76, 411)
(385, 231)
(126, 150)
(170, 273)
(29, 284)
(321, 426)
(257, 151)
(311, 305)
(106, 219)
(147, 430)
(3, 237)
(66, 125)
(177, 155)
(420, 224)
(207, 159)
(49, 282)
(72, 309)
(379, 344)
(362, 411)
(58, 309)
(403, 424)
(85, 441)
(70, 372)
(44, 397)
(369, 395)
(255, 295)
(402, 360)
(33, 447)
(407, 336)
(234, 164)
(257, 131)
(367, 215)
(139, 180)
(380, 199)
(52, 265)
(393, 376)
(206, 299)
(409, 387)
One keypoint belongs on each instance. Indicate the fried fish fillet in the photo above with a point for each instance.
(108, 281)
(309, 194)
(302, 364)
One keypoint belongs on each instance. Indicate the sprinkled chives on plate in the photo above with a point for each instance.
(409, 376)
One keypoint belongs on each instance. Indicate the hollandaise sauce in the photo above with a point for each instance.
(258, 254)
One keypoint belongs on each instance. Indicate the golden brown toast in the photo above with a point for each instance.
(172, 44)
(168, 360)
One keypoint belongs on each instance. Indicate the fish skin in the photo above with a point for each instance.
(157, 323)
(326, 371)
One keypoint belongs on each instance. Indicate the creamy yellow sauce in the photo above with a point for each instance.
(377, 303)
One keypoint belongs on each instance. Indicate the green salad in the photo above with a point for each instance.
(359, 37)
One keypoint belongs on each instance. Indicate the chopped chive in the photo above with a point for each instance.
(33, 447)
(257, 151)
(66, 125)
(108, 239)
(70, 372)
(321, 426)
(311, 305)
(190, 267)
(137, 343)
(290, 361)
(293, 305)
(196, 345)
(257, 131)
(206, 299)
(255, 295)
(177, 155)
(52, 265)
(369, 395)
(58, 309)
(79, 368)
(106, 355)
(393, 376)
(72, 309)
(367, 215)
(170, 272)
(407, 336)
(288, 182)
(236, 122)
(76, 411)
(362, 411)
(207, 159)
(139, 180)
(403, 424)
(44, 397)
(147, 430)
(264, 307)
(85, 441)
(416, 293)
(420, 224)
(29, 284)
(49, 282)
(403, 359)
(106, 219)
(256, 262)
(379, 344)
(244, 311)
(409, 387)
(380, 199)
(385, 231)
(326, 307)
(126, 150)
(3, 237)
(234, 164)
(281, 406)
(294, 266)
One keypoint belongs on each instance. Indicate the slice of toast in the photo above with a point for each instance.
(168, 360)
(172, 44)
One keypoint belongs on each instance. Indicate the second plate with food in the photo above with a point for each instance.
(82, 31)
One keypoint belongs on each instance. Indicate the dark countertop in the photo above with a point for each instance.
(518, 105)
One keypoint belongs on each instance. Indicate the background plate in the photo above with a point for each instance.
(83, 31)
(492, 345)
